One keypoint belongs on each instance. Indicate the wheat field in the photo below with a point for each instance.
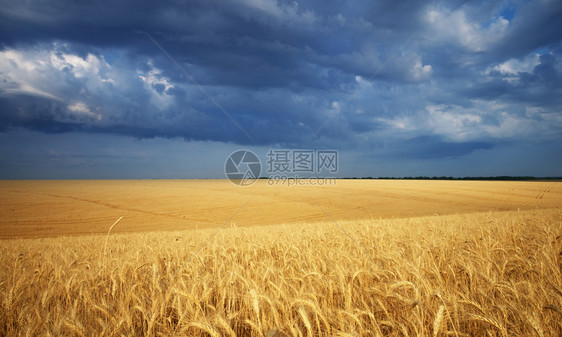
(472, 273)
(84, 207)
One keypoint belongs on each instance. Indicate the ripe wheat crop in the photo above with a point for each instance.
(479, 274)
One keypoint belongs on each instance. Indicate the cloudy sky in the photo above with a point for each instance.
(168, 89)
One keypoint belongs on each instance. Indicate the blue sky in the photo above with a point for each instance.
(455, 88)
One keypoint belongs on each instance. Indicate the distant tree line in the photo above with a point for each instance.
(500, 178)
(494, 178)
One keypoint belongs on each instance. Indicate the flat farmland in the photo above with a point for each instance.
(67, 207)
(359, 258)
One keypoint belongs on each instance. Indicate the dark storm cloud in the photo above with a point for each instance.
(466, 78)
(429, 147)
(540, 86)
(29, 112)
(536, 24)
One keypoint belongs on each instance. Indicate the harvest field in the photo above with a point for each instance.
(358, 258)
(66, 207)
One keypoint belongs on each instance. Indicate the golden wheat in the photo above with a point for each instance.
(88, 207)
(480, 274)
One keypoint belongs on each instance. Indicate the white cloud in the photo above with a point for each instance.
(456, 28)
(42, 72)
(153, 79)
(290, 14)
(266, 6)
(20, 74)
(400, 123)
(419, 71)
(454, 122)
(92, 68)
(484, 120)
(80, 109)
(511, 69)
(80, 67)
